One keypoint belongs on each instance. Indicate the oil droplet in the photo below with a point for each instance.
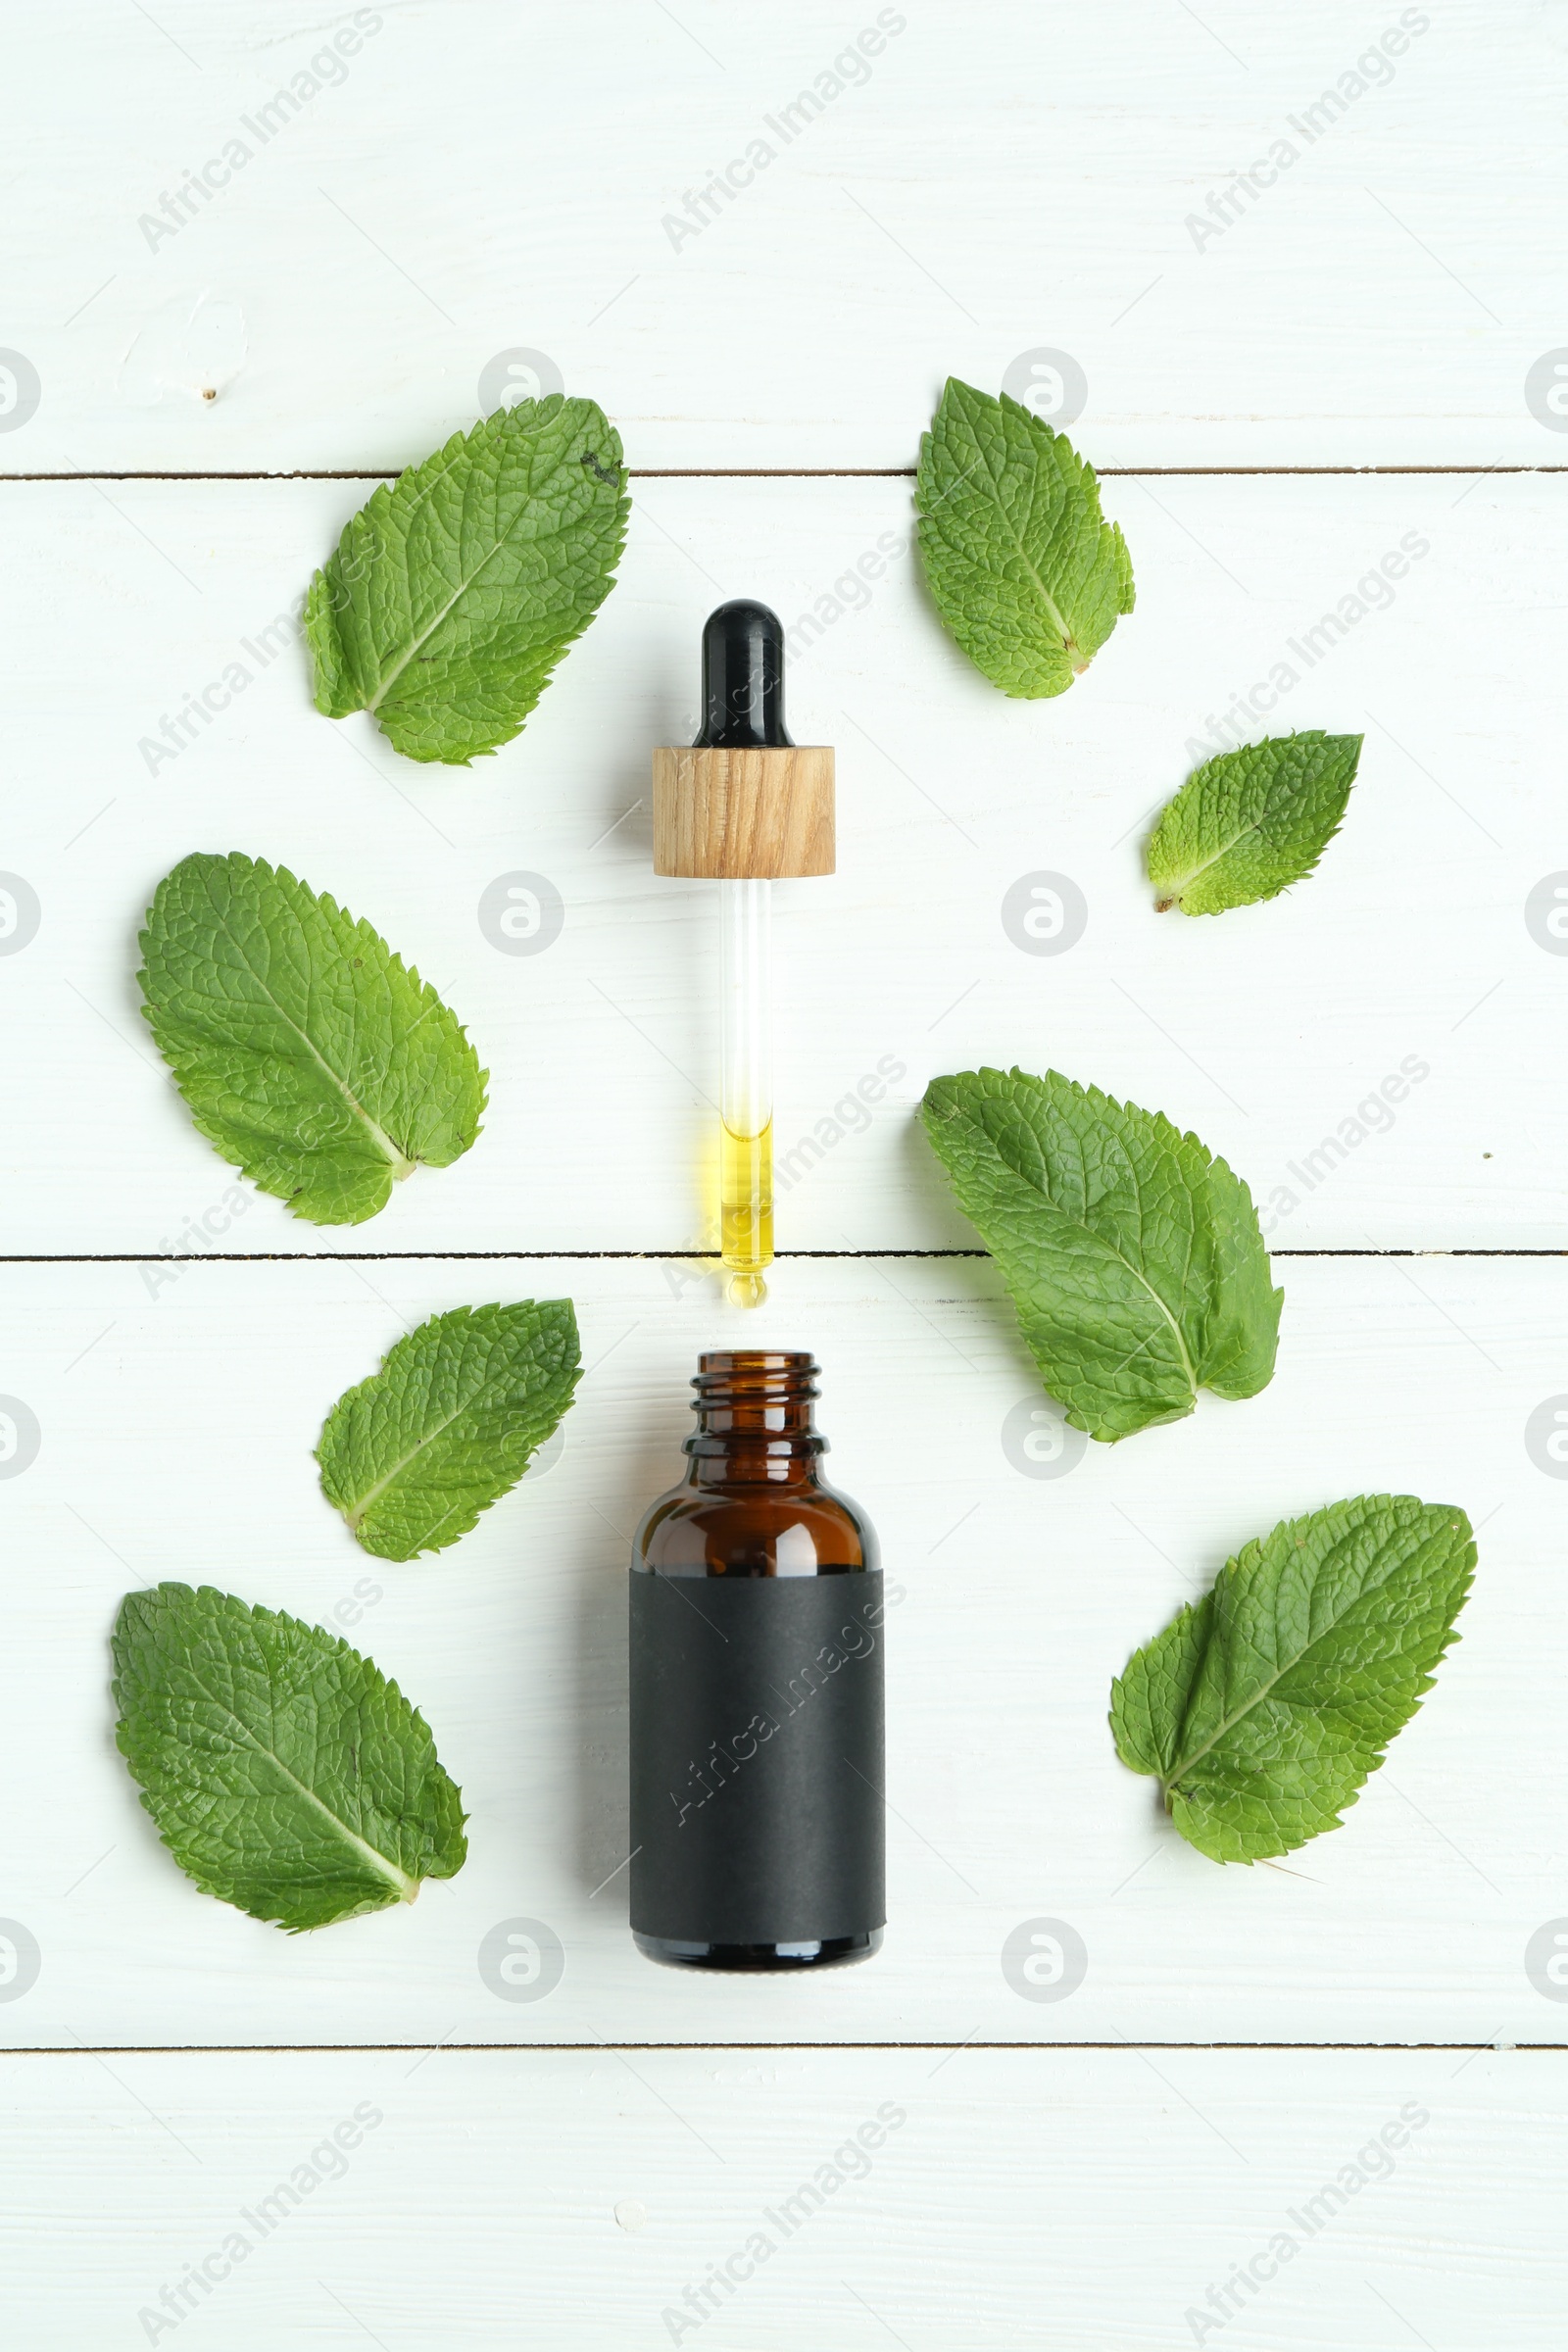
(747, 1290)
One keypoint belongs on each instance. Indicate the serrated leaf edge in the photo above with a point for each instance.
(465, 440)
(1256, 1544)
(1169, 1786)
(404, 1889)
(1097, 1096)
(1177, 889)
(354, 1514)
(1090, 480)
(430, 1002)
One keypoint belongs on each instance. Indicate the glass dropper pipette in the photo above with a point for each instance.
(743, 709)
(746, 1087)
(743, 805)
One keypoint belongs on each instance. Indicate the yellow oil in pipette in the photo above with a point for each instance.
(745, 1211)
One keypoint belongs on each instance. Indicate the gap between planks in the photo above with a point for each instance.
(684, 1257)
(551, 2049)
(731, 473)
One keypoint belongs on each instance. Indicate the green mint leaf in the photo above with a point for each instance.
(456, 589)
(1025, 572)
(1262, 1710)
(307, 1053)
(286, 1775)
(1247, 824)
(1133, 1256)
(414, 1453)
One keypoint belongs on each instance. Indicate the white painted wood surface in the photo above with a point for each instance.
(1091, 2198)
(1007, 178)
(1264, 1031)
(176, 1436)
(1011, 186)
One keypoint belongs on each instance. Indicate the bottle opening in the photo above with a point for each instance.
(755, 1375)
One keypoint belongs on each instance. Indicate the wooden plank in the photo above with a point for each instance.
(1271, 1032)
(1101, 2198)
(176, 1441)
(1251, 235)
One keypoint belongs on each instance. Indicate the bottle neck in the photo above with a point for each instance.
(753, 1420)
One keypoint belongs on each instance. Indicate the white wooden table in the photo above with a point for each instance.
(1283, 379)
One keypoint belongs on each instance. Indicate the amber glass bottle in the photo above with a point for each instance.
(757, 1813)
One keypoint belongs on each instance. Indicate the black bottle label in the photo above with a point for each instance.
(756, 1764)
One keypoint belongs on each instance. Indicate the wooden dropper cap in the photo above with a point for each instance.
(743, 803)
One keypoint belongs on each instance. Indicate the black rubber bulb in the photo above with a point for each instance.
(743, 678)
